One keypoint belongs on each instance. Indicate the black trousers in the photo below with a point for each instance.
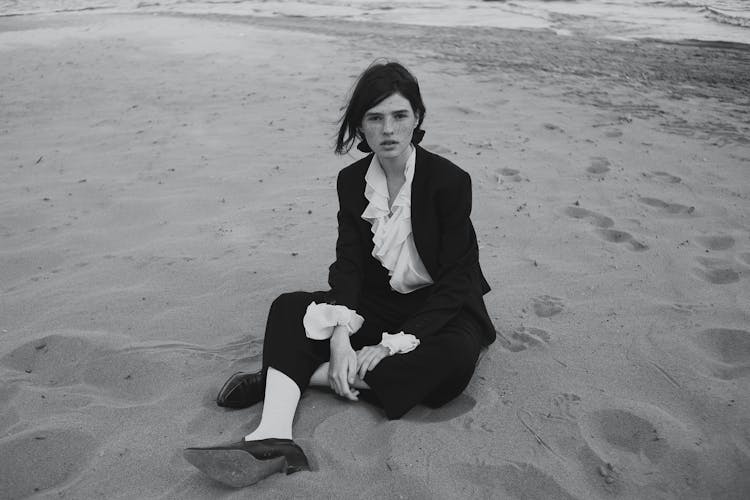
(437, 371)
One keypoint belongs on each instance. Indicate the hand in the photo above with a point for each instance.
(342, 368)
(369, 357)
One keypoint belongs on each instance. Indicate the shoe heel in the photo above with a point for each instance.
(233, 468)
(296, 461)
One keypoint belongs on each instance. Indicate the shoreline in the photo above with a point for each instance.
(109, 10)
(681, 69)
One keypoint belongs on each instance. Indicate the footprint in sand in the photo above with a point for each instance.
(670, 208)
(625, 450)
(613, 133)
(716, 242)
(665, 177)
(638, 450)
(594, 218)
(728, 349)
(510, 174)
(598, 165)
(64, 360)
(523, 338)
(50, 457)
(615, 236)
(546, 306)
(619, 432)
(565, 407)
(716, 271)
(515, 480)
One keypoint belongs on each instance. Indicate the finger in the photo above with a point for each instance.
(362, 362)
(375, 361)
(352, 371)
(335, 386)
(372, 364)
(349, 394)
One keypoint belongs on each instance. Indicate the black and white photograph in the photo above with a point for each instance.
(425, 249)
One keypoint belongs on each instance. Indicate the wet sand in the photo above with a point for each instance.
(163, 178)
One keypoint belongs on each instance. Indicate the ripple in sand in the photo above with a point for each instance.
(42, 459)
(8, 417)
(592, 217)
(517, 480)
(716, 242)
(398, 485)
(63, 360)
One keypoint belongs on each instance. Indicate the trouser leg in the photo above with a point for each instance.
(437, 371)
(285, 346)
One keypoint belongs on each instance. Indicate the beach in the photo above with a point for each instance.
(164, 176)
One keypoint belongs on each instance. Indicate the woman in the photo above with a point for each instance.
(404, 321)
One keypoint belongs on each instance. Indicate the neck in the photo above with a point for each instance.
(395, 166)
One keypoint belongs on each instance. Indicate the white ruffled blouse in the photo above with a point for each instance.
(393, 246)
(391, 228)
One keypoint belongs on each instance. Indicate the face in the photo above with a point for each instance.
(388, 127)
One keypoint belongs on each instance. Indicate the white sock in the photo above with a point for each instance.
(279, 406)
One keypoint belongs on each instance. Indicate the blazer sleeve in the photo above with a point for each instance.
(458, 256)
(345, 275)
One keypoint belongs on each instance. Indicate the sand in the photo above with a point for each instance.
(163, 178)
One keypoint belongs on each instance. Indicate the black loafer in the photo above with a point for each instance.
(242, 390)
(247, 462)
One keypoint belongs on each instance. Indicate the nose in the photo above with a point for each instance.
(388, 125)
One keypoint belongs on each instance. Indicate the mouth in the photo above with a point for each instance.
(389, 143)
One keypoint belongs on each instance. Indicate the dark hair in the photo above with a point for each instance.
(376, 84)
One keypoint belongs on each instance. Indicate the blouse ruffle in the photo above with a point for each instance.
(392, 231)
(399, 343)
(321, 319)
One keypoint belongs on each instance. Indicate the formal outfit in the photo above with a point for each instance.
(408, 265)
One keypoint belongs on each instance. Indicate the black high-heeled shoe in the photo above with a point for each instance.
(247, 462)
(242, 390)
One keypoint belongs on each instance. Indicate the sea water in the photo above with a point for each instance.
(722, 20)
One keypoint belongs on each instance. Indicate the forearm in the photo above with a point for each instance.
(340, 337)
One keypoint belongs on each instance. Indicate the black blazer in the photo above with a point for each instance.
(443, 234)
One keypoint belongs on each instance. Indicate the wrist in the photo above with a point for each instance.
(340, 336)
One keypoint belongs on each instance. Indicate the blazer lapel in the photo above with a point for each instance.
(419, 208)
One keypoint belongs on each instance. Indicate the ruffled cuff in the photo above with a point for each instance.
(399, 343)
(321, 319)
